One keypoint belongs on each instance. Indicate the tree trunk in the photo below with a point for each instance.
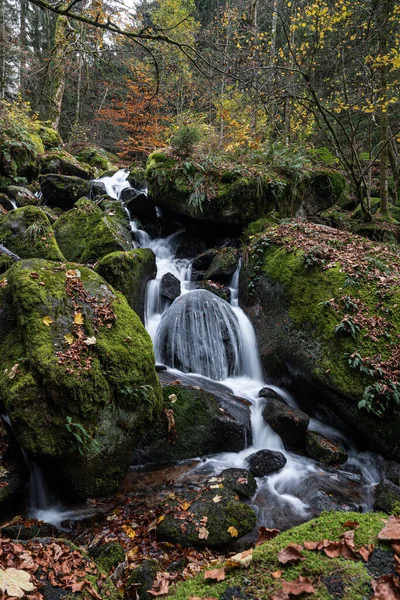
(384, 11)
(57, 72)
(23, 46)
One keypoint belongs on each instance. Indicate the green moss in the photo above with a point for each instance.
(37, 142)
(50, 137)
(95, 157)
(28, 233)
(109, 556)
(60, 161)
(258, 580)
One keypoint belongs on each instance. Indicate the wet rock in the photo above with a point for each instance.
(324, 450)
(170, 286)
(161, 368)
(215, 288)
(108, 556)
(393, 472)
(322, 501)
(188, 246)
(129, 273)
(288, 422)
(387, 496)
(63, 163)
(19, 529)
(204, 260)
(145, 575)
(202, 427)
(208, 521)
(14, 474)
(138, 203)
(265, 462)
(223, 265)
(239, 481)
(97, 188)
(5, 204)
(197, 275)
(269, 393)
(62, 190)
(21, 195)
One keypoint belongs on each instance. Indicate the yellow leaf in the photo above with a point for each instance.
(15, 582)
(160, 519)
(69, 338)
(79, 319)
(172, 398)
(243, 559)
(216, 486)
(186, 505)
(47, 321)
(131, 533)
(233, 531)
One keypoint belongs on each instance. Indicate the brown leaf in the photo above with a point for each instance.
(265, 534)
(290, 555)
(243, 559)
(215, 574)
(385, 588)
(160, 585)
(334, 550)
(276, 574)
(281, 595)
(365, 551)
(302, 585)
(351, 524)
(391, 531)
(310, 545)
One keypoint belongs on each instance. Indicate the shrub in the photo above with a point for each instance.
(184, 140)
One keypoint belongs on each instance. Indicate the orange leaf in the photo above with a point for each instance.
(391, 531)
(291, 554)
(215, 574)
(302, 585)
(265, 534)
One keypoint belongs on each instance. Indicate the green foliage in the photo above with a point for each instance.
(348, 327)
(184, 140)
(323, 155)
(36, 230)
(379, 396)
(85, 443)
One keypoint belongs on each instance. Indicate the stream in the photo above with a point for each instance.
(216, 342)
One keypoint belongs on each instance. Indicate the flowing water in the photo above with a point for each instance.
(206, 337)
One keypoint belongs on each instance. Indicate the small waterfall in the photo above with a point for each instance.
(116, 183)
(13, 203)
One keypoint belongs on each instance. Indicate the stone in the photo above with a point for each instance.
(269, 393)
(63, 190)
(324, 450)
(108, 556)
(215, 288)
(239, 481)
(95, 157)
(188, 246)
(129, 272)
(265, 462)
(78, 414)
(204, 260)
(288, 422)
(145, 574)
(387, 496)
(138, 203)
(5, 203)
(21, 195)
(170, 286)
(14, 474)
(223, 265)
(212, 532)
(97, 188)
(393, 472)
(63, 163)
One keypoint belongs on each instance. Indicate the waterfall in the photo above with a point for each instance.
(116, 183)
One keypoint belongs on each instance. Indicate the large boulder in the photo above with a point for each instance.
(21, 195)
(223, 265)
(237, 197)
(324, 450)
(63, 163)
(265, 462)
(192, 424)
(63, 190)
(319, 300)
(86, 233)
(79, 383)
(28, 233)
(96, 157)
(129, 273)
(288, 422)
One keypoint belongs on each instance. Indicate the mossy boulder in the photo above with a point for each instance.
(240, 197)
(387, 496)
(50, 137)
(321, 301)
(129, 272)
(108, 556)
(79, 383)
(28, 233)
(201, 427)
(62, 190)
(239, 481)
(145, 575)
(324, 450)
(223, 265)
(87, 233)
(206, 522)
(95, 157)
(21, 195)
(331, 577)
(63, 163)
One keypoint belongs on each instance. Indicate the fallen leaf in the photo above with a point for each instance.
(34, 275)
(301, 585)
(216, 486)
(69, 338)
(291, 554)
(161, 584)
(217, 499)
(90, 341)
(391, 531)
(365, 551)
(79, 319)
(351, 524)
(47, 320)
(172, 398)
(276, 574)
(242, 559)
(72, 273)
(15, 582)
(265, 534)
(310, 545)
(3, 282)
(385, 588)
(13, 371)
(203, 533)
(233, 531)
(333, 550)
(160, 519)
(185, 505)
(130, 532)
(215, 574)
(281, 595)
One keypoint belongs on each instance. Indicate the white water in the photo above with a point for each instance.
(283, 498)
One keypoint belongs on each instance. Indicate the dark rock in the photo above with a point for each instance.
(204, 260)
(161, 368)
(215, 288)
(393, 472)
(223, 265)
(288, 422)
(5, 204)
(19, 529)
(14, 474)
(145, 575)
(269, 393)
(130, 272)
(188, 246)
(202, 427)
(138, 203)
(63, 190)
(63, 163)
(324, 450)
(97, 188)
(108, 556)
(387, 496)
(227, 512)
(323, 501)
(381, 562)
(21, 195)
(239, 481)
(197, 275)
(265, 462)
(170, 286)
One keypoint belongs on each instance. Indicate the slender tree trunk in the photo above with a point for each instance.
(23, 46)
(272, 60)
(3, 59)
(383, 17)
(57, 72)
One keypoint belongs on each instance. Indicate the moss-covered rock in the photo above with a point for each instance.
(221, 516)
(108, 556)
(319, 299)
(239, 481)
(50, 137)
(63, 163)
(95, 157)
(86, 233)
(328, 575)
(216, 288)
(240, 197)
(324, 450)
(129, 273)
(223, 265)
(387, 496)
(21, 195)
(145, 575)
(79, 383)
(62, 190)
(201, 427)
(28, 233)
